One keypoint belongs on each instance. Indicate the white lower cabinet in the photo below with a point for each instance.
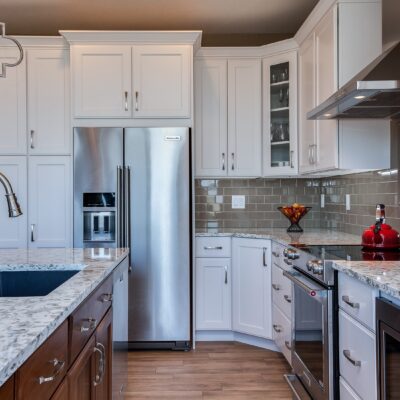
(282, 332)
(213, 294)
(357, 356)
(50, 202)
(252, 287)
(13, 230)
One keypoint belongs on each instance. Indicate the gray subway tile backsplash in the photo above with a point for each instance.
(263, 196)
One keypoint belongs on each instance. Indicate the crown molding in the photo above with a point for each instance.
(138, 37)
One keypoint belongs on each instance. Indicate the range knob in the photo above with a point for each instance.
(310, 265)
(293, 255)
(318, 267)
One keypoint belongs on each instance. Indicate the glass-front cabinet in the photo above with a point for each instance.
(279, 116)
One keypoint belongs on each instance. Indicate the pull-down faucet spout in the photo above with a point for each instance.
(14, 209)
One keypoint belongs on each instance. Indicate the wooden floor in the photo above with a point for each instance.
(212, 371)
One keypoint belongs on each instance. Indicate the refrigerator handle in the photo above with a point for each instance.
(120, 211)
(128, 210)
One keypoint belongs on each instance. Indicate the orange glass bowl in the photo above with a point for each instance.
(294, 215)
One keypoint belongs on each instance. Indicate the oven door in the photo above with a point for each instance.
(312, 329)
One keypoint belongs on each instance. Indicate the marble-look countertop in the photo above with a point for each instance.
(26, 322)
(308, 237)
(383, 275)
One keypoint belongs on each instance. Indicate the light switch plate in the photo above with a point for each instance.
(238, 201)
(348, 202)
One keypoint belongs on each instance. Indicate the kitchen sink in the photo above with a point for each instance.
(32, 283)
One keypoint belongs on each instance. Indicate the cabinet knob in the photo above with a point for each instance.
(92, 325)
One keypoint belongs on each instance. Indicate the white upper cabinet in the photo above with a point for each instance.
(280, 115)
(307, 140)
(102, 81)
(211, 129)
(346, 39)
(13, 230)
(50, 202)
(162, 81)
(12, 105)
(326, 151)
(228, 117)
(244, 118)
(48, 101)
(251, 291)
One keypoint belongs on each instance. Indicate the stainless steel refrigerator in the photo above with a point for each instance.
(132, 188)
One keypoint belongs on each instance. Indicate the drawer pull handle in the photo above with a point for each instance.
(58, 367)
(287, 298)
(346, 299)
(137, 101)
(287, 261)
(32, 139)
(126, 101)
(212, 247)
(226, 274)
(107, 298)
(288, 346)
(92, 325)
(277, 328)
(356, 363)
(102, 362)
(275, 287)
(275, 254)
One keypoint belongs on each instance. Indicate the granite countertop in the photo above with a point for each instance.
(382, 275)
(308, 237)
(26, 322)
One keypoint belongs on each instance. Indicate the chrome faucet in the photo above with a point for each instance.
(14, 209)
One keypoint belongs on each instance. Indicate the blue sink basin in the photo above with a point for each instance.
(32, 283)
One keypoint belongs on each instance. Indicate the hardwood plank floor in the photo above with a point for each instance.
(214, 371)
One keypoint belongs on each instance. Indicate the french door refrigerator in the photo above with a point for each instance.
(132, 188)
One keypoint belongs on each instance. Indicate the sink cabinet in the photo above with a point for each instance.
(63, 368)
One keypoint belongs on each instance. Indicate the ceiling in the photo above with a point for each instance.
(223, 22)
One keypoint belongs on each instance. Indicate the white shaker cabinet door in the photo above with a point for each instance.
(12, 105)
(162, 81)
(50, 201)
(307, 139)
(251, 292)
(211, 125)
(101, 81)
(48, 102)
(244, 118)
(13, 230)
(326, 156)
(213, 294)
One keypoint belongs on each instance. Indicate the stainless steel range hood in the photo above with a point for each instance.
(373, 93)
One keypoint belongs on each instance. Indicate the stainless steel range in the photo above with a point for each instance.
(314, 324)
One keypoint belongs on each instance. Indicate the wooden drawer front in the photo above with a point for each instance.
(346, 392)
(282, 333)
(359, 344)
(7, 390)
(358, 300)
(39, 377)
(85, 319)
(277, 254)
(281, 291)
(213, 247)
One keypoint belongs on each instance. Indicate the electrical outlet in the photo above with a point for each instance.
(322, 200)
(238, 201)
(348, 202)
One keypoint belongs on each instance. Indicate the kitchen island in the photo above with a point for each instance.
(27, 322)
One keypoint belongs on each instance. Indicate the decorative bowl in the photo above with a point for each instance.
(294, 214)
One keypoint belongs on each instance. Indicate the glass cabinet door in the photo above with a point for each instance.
(280, 135)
